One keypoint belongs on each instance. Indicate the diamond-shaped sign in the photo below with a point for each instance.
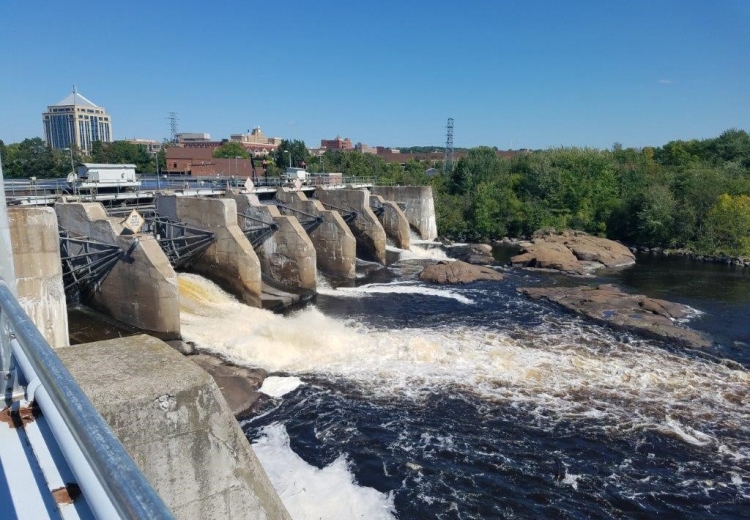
(297, 184)
(249, 184)
(134, 222)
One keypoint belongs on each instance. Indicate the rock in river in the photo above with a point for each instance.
(573, 252)
(632, 312)
(457, 272)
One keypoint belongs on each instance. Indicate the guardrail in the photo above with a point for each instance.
(113, 486)
(20, 187)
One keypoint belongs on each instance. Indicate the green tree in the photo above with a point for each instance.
(294, 150)
(231, 150)
(727, 227)
(655, 216)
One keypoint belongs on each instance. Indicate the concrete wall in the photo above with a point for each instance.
(288, 255)
(420, 206)
(394, 222)
(7, 272)
(366, 227)
(335, 245)
(39, 284)
(172, 419)
(140, 291)
(230, 260)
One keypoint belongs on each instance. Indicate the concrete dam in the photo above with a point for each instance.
(167, 412)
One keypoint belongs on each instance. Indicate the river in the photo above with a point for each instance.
(397, 399)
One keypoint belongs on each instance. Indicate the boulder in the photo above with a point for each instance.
(636, 313)
(477, 254)
(573, 252)
(238, 385)
(457, 272)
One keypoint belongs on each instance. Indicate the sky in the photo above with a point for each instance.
(511, 73)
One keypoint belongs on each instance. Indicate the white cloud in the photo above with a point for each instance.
(665, 82)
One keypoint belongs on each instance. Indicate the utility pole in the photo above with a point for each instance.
(448, 155)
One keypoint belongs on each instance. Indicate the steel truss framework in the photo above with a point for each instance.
(86, 263)
(256, 230)
(181, 243)
(308, 222)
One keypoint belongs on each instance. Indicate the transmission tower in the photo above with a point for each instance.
(448, 156)
(173, 124)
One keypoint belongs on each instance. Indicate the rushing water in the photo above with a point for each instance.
(395, 399)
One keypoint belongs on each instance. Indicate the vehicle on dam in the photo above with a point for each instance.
(104, 177)
(291, 175)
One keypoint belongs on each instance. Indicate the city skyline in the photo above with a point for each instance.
(512, 74)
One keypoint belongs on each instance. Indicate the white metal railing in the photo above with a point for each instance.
(113, 486)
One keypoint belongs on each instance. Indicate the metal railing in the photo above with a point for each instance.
(113, 486)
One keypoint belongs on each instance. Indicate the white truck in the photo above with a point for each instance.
(293, 174)
(103, 176)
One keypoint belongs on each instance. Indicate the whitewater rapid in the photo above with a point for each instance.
(560, 369)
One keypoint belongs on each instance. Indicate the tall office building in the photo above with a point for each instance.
(76, 121)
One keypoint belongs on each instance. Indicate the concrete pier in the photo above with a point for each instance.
(394, 222)
(172, 419)
(420, 206)
(287, 256)
(38, 270)
(367, 229)
(229, 261)
(335, 245)
(141, 290)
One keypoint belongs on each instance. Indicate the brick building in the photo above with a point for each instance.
(336, 144)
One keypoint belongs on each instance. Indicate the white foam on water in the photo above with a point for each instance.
(276, 386)
(686, 433)
(560, 369)
(393, 288)
(420, 253)
(310, 493)
(571, 480)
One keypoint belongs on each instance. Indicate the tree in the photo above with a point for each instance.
(655, 216)
(727, 228)
(291, 150)
(230, 150)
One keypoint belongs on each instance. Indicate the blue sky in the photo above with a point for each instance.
(515, 73)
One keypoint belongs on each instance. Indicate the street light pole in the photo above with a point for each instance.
(72, 166)
(290, 157)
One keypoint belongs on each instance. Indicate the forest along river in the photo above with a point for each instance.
(397, 399)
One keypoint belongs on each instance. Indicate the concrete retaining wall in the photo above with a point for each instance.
(230, 260)
(366, 227)
(420, 206)
(335, 245)
(172, 419)
(288, 255)
(39, 284)
(394, 222)
(140, 291)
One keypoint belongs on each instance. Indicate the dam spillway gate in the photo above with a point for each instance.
(85, 264)
(181, 243)
(256, 230)
(308, 221)
(349, 215)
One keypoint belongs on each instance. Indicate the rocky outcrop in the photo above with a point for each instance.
(238, 385)
(457, 272)
(608, 305)
(573, 252)
(477, 254)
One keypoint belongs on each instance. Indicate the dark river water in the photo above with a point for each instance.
(395, 399)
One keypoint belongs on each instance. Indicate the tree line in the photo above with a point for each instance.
(33, 158)
(693, 194)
